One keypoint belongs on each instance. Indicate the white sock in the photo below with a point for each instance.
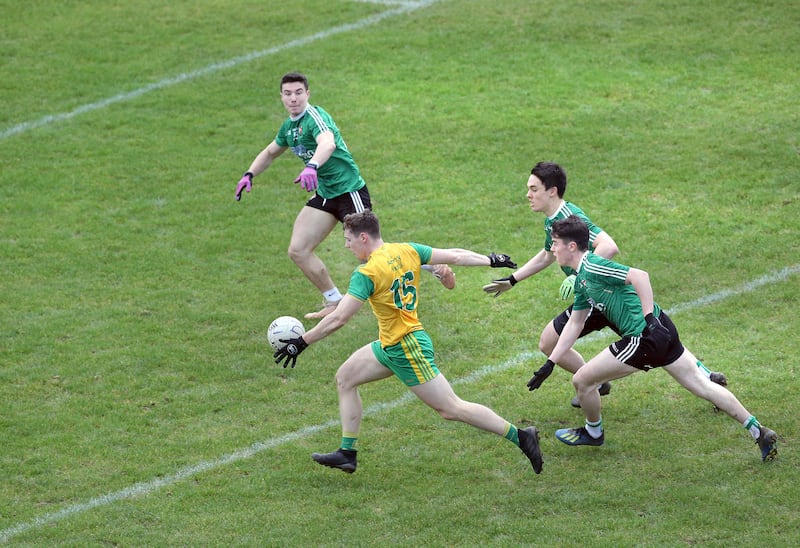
(704, 369)
(332, 295)
(595, 429)
(753, 426)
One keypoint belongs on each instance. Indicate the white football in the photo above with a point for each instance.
(285, 327)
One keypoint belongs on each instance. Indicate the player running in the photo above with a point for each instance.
(389, 281)
(547, 185)
(648, 340)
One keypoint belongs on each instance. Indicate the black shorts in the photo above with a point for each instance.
(344, 204)
(595, 322)
(641, 353)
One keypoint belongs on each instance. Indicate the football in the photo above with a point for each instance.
(285, 327)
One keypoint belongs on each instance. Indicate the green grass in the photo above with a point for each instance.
(136, 292)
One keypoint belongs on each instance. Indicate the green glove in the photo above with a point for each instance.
(567, 287)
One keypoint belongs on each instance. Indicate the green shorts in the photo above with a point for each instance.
(411, 360)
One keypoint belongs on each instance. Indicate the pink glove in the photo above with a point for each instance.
(246, 183)
(308, 178)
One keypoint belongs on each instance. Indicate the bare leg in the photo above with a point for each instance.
(688, 374)
(360, 368)
(311, 227)
(572, 360)
(602, 368)
(439, 395)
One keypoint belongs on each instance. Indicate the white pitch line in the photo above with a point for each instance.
(403, 8)
(145, 488)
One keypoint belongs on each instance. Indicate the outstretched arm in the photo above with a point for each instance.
(536, 264)
(347, 307)
(265, 158)
(345, 310)
(261, 162)
(465, 257)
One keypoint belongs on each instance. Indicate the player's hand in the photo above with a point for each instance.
(308, 178)
(541, 375)
(567, 287)
(656, 332)
(445, 275)
(290, 352)
(500, 286)
(498, 260)
(246, 184)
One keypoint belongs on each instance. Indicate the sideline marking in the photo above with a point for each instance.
(145, 488)
(404, 7)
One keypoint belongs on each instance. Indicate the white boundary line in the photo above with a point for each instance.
(145, 488)
(403, 8)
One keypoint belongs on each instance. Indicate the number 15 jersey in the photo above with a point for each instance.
(389, 280)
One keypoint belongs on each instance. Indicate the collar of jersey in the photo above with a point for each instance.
(296, 118)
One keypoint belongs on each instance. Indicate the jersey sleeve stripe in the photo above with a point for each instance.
(604, 270)
(317, 117)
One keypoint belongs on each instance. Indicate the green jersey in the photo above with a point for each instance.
(340, 174)
(563, 212)
(600, 283)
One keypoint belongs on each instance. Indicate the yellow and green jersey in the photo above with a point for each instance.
(389, 280)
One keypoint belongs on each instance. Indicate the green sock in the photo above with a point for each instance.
(349, 441)
(512, 434)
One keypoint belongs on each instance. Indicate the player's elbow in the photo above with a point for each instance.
(608, 250)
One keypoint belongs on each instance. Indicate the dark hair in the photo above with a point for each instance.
(364, 221)
(551, 175)
(572, 229)
(294, 77)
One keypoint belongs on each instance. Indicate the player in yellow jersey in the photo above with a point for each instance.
(389, 280)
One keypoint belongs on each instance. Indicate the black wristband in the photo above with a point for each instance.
(313, 165)
(512, 280)
(249, 174)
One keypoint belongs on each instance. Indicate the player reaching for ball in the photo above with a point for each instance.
(389, 280)
(648, 340)
(330, 173)
(546, 187)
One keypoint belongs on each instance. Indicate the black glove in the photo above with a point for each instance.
(290, 351)
(655, 331)
(541, 375)
(500, 286)
(499, 261)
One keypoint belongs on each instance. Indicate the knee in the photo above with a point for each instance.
(295, 253)
(579, 383)
(343, 383)
(448, 414)
(548, 339)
